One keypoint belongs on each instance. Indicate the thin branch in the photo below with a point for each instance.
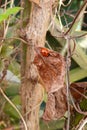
(83, 112)
(14, 108)
(48, 45)
(76, 107)
(6, 28)
(83, 124)
(3, 75)
(67, 3)
(68, 83)
(77, 15)
(17, 38)
(79, 36)
(78, 92)
(4, 72)
(6, 3)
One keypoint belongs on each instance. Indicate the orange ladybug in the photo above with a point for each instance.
(44, 52)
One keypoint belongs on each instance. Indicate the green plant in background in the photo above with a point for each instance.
(9, 64)
(10, 11)
(10, 51)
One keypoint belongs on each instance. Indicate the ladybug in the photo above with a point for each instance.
(44, 52)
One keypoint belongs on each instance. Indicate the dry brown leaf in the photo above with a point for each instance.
(51, 67)
(61, 102)
(50, 110)
(78, 90)
(56, 105)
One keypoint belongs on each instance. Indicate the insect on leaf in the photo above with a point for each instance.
(51, 67)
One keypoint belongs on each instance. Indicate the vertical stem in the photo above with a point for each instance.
(31, 88)
(68, 83)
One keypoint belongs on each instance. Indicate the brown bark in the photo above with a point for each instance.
(31, 88)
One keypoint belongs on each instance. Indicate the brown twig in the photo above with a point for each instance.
(77, 107)
(3, 75)
(83, 124)
(79, 36)
(68, 82)
(67, 3)
(78, 92)
(4, 72)
(77, 15)
(10, 102)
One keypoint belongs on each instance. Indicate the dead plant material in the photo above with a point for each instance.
(56, 105)
(78, 90)
(51, 67)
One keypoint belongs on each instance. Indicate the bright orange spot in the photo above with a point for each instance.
(45, 52)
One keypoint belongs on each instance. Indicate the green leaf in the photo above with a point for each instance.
(13, 10)
(14, 67)
(82, 41)
(9, 12)
(77, 74)
(79, 33)
(52, 125)
(1, 10)
(9, 110)
(3, 17)
(77, 117)
(77, 22)
(5, 51)
(1, 65)
(12, 89)
(79, 56)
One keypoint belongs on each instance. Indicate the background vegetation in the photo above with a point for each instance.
(10, 43)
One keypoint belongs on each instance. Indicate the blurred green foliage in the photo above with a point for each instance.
(10, 50)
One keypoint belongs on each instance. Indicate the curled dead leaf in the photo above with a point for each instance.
(50, 110)
(51, 67)
(79, 101)
(56, 105)
(78, 90)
